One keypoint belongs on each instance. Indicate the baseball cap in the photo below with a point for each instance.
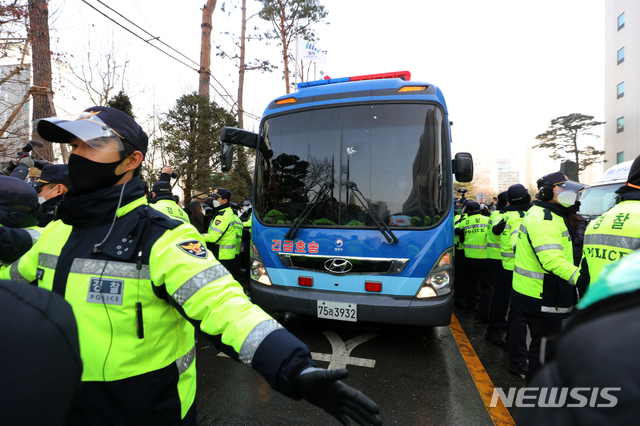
(53, 173)
(161, 188)
(97, 126)
(17, 193)
(561, 180)
(518, 194)
(222, 193)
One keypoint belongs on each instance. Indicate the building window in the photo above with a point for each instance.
(620, 56)
(620, 90)
(620, 124)
(621, 21)
(620, 157)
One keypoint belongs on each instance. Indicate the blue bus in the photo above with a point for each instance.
(353, 201)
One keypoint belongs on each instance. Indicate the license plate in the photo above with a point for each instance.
(338, 310)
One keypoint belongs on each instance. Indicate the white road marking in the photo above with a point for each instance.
(341, 350)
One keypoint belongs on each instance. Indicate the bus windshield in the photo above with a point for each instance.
(394, 154)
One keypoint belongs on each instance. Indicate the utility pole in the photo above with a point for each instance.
(205, 50)
(243, 43)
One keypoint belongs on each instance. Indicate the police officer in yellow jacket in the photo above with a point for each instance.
(139, 282)
(500, 298)
(614, 234)
(459, 298)
(544, 275)
(225, 231)
(163, 201)
(473, 234)
(19, 213)
(519, 202)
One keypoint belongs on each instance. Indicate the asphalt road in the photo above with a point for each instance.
(417, 376)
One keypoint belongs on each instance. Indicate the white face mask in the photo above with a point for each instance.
(43, 199)
(567, 198)
(216, 203)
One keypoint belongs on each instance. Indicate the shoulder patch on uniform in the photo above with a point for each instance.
(194, 248)
(218, 222)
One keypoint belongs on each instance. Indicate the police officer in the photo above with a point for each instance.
(52, 184)
(595, 356)
(494, 232)
(139, 282)
(163, 201)
(224, 229)
(614, 234)
(19, 213)
(473, 233)
(459, 299)
(544, 274)
(41, 360)
(519, 203)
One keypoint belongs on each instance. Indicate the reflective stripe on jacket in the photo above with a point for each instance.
(612, 236)
(475, 236)
(544, 272)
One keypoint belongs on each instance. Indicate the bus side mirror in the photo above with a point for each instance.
(463, 167)
(233, 135)
(226, 156)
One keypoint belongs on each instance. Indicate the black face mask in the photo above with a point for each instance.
(89, 176)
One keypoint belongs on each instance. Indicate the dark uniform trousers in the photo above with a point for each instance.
(500, 301)
(478, 280)
(539, 328)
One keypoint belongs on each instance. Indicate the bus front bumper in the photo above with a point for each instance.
(381, 308)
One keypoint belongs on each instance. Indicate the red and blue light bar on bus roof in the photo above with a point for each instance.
(403, 75)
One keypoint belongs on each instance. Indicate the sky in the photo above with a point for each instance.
(506, 68)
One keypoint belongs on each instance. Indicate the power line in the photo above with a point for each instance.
(232, 105)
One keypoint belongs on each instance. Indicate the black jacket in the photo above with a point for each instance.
(598, 349)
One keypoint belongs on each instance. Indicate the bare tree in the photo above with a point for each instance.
(102, 73)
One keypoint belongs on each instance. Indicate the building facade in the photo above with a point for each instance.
(622, 81)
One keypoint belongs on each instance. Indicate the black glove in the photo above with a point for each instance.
(498, 227)
(459, 232)
(324, 389)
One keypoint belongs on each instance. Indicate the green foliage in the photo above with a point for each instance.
(562, 139)
(122, 102)
(191, 141)
(291, 18)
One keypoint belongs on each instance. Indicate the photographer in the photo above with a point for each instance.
(19, 168)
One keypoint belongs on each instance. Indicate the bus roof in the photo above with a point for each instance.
(617, 173)
(391, 87)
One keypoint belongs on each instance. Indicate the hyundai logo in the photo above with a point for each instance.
(338, 266)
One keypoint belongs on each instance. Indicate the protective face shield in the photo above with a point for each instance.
(570, 191)
(88, 127)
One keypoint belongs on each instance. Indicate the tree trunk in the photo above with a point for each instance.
(41, 57)
(205, 50)
(243, 42)
(285, 51)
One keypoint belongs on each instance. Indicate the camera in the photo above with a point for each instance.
(19, 167)
(174, 174)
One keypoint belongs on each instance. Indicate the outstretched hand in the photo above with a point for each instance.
(324, 389)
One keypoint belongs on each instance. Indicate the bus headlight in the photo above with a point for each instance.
(258, 270)
(438, 280)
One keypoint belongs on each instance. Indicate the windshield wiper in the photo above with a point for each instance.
(379, 222)
(324, 190)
